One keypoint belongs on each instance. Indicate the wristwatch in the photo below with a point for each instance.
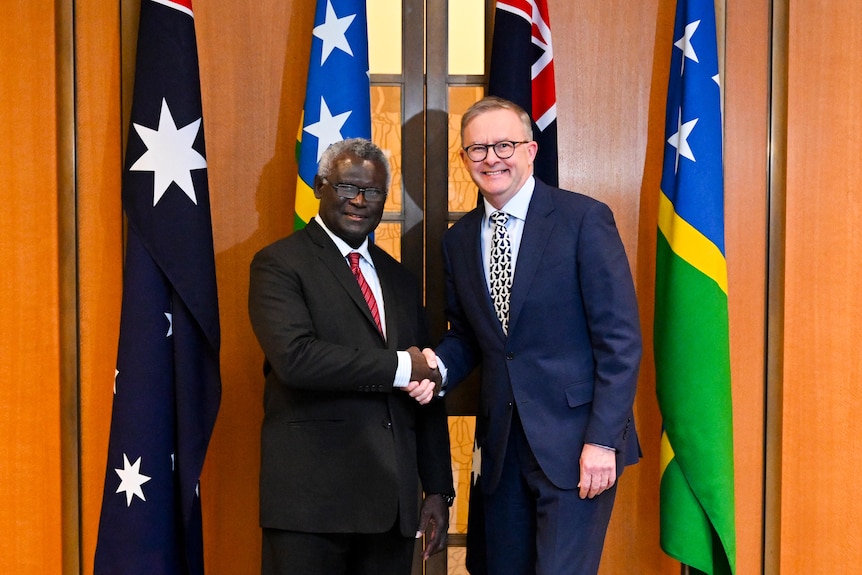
(447, 499)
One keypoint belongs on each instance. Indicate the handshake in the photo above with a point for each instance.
(425, 378)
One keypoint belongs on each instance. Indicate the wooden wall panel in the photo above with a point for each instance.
(746, 120)
(820, 527)
(30, 412)
(254, 59)
(100, 245)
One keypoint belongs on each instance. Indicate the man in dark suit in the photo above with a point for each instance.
(345, 440)
(542, 296)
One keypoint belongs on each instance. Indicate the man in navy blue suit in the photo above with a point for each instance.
(541, 295)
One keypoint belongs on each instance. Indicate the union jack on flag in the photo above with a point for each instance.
(522, 70)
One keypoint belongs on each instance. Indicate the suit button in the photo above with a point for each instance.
(510, 355)
(387, 424)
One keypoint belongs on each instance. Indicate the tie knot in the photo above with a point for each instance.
(354, 259)
(500, 218)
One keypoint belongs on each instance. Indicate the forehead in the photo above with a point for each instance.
(493, 126)
(349, 167)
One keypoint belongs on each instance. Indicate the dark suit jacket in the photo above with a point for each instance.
(341, 451)
(570, 361)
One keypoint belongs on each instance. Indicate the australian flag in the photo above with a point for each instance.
(167, 385)
(522, 70)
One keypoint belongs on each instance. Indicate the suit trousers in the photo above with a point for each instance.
(535, 528)
(297, 553)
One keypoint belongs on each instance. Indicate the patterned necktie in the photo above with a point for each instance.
(501, 268)
(366, 289)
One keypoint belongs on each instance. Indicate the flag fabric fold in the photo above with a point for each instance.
(692, 356)
(521, 70)
(167, 384)
(337, 95)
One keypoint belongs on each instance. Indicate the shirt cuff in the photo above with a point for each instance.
(444, 374)
(405, 366)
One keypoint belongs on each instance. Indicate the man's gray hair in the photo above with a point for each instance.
(362, 148)
(493, 103)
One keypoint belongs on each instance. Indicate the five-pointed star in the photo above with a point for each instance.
(131, 480)
(170, 318)
(476, 471)
(680, 140)
(170, 155)
(684, 44)
(328, 128)
(332, 32)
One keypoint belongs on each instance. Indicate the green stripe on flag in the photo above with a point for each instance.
(693, 388)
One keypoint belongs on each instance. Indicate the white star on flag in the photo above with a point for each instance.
(116, 373)
(170, 155)
(680, 140)
(684, 44)
(476, 471)
(333, 33)
(170, 318)
(131, 480)
(328, 128)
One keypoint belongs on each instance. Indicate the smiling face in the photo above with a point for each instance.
(498, 180)
(351, 220)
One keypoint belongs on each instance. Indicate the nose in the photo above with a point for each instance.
(359, 200)
(488, 155)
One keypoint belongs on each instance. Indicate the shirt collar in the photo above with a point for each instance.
(518, 205)
(343, 247)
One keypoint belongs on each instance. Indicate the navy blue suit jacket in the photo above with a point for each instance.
(570, 361)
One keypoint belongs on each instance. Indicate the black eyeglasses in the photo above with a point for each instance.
(350, 191)
(504, 150)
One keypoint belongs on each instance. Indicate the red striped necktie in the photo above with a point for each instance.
(366, 289)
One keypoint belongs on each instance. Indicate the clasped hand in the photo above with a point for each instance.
(425, 378)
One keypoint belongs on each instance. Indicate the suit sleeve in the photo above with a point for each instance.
(304, 325)
(611, 308)
(459, 348)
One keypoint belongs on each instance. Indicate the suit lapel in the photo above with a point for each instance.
(537, 230)
(390, 296)
(466, 255)
(332, 259)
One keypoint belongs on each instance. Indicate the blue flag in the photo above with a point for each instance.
(337, 95)
(167, 385)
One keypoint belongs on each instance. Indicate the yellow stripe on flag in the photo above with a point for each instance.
(691, 245)
(666, 454)
(306, 204)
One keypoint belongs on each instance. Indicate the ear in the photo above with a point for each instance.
(532, 150)
(464, 159)
(318, 183)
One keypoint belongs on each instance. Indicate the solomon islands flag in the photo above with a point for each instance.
(337, 94)
(692, 356)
